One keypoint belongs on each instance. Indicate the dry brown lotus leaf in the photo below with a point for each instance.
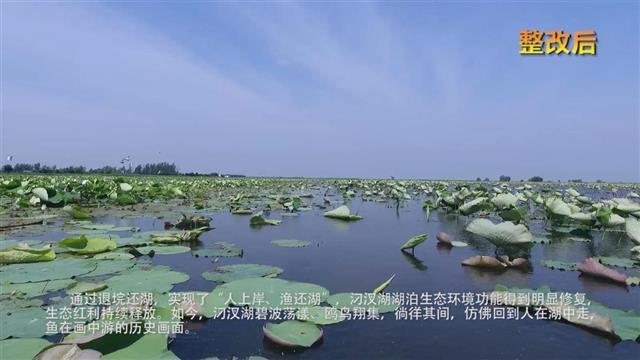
(593, 267)
(484, 261)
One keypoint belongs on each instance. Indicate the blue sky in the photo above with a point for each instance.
(411, 90)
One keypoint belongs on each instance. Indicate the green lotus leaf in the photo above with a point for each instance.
(500, 234)
(556, 207)
(241, 293)
(114, 256)
(414, 241)
(293, 333)
(22, 349)
(149, 346)
(259, 220)
(164, 249)
(616, 261)
(342, 213)
(110, 267)
(291, 243)
(230, 273)
(33, 289)
(68, 352)
(40, 193)
(320, 315)
(632, 228)
(85, 246)
(384, 285)
(472, 206)
(53, 270)
(23, 253)
(23, 323)
(156, 279)
(17, 302)
(504, 201)
(560, 265)
(86, 287)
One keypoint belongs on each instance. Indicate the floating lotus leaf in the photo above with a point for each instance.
(85, 287)
(223, 250)
(110, 267)
(291, 243)
(342, 213)
(414, 241)
(33, 289)
(560, 265)
(293, 333)
(164, 249)
(215, 302)
(149, 346)
(53, 270)
(84, 245)
(616, 261)
(372, 303)
(632, 228)
(190, 302)
(384, 285)
(132, 241)
(14, 302)
(23, 323)
(241, 293)
(500, 234)
(230, 273)
(259, 220)
(114, 256)
(25, 254)
(22, 349)
(68, 352)
(156, 279)
(320, 315)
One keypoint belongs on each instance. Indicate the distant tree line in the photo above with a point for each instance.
(162, 168)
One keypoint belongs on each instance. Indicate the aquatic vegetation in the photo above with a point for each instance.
(86, 246)
(491, 225)
(414, 241)
(291, 243)
(230, 273)
(23, 253)
(504, 233)
(293, 333)
(342, 213)
(258, 219)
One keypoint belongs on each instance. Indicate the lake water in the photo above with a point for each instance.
(358, 256)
